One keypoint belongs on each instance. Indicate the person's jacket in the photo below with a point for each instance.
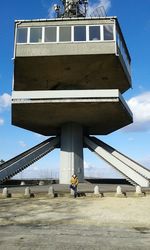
(74, 180)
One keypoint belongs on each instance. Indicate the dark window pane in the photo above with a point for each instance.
(108, 32)
(79, 33)
(50, 34)
(22, 35)
(64, 34)
(35, 35)
(94, 33)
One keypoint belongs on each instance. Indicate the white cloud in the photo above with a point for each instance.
(140, 107)
(130, 139)
(95, 4)
(5, 101)
(88, 166)
(22, 144)
(48, 5)
(104, 170)
(39, 136)
(51, 12)
(1, 121)
(141, 87)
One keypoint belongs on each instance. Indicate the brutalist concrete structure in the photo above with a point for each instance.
(69, 76)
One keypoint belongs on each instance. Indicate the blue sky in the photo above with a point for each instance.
(133, 140)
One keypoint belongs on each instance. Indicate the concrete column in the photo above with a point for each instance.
(71, 155)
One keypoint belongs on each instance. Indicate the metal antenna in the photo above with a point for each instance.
(71, 8)
(57, 10)
(99, 12)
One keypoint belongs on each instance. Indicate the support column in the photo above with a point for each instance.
(71, 155)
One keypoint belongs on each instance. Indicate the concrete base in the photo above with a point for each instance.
(122, 195)
(71, 156)
(140, 194)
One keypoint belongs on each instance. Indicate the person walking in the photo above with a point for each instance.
(74, 184)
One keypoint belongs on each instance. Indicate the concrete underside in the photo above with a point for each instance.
(96, 116)
(70, 72)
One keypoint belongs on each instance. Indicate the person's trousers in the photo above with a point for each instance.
(74, 188)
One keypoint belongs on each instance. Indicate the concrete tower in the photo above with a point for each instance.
(69, 74)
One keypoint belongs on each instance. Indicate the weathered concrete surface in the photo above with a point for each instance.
(82, 223)
(71, 154)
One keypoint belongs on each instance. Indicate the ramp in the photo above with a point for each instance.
(131, 163)
(17, 164)
(132, 171)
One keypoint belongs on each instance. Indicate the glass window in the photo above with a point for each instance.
(64, 34)
(35, 35)
(22, 35)
(80, 33)
(50, 34)
(108, 32)
(94, 33)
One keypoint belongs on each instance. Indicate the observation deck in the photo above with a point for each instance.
(75, 53)
(70, 70)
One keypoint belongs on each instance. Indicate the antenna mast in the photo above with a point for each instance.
(72, 8)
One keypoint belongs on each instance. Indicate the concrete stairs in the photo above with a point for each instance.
(135, 173)
(17, 164)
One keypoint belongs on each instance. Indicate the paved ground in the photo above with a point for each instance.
(83, 223)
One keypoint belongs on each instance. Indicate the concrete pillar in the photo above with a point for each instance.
(138, 191)
(71, 155)
(119, 192)
(5, 193)
(51, 192)
(41, 183)
(96, 190)
(22, 183)
(27, 192)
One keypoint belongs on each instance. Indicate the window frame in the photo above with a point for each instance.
(72, 27)
(62, 26)
(26, 36)
(94, 25)
(108, 40)
(36, 27)
(82, 41)
(44, 35)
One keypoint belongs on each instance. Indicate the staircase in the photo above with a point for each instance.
(15, 165)
(133, 172)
